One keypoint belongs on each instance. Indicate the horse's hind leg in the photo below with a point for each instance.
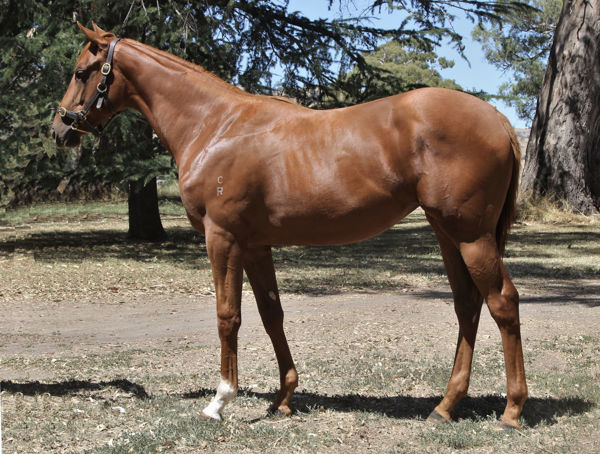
(467, 305)
(487, 270)
(258, 264)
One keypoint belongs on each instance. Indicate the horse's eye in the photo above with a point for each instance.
(81, 74)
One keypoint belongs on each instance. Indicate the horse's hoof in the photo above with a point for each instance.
(282, 409)
(287, 411)
(436, 418)
(205, 417)
(503, 426)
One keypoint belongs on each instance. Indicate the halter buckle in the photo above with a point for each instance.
(101, 88)
(62, 111)
(106, 67)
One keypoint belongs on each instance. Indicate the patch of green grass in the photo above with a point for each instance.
(266, 435)
(580, 385)
(375, 373)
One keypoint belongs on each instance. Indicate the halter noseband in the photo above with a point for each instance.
(78, 117)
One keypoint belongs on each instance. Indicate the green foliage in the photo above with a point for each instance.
(30, 70)
(244, 42)
(396, 68)
(521, 44)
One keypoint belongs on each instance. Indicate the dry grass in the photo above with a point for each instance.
(86, 254)
(544, 210)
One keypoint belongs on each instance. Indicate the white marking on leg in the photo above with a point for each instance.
(225, 394)
(272, 295)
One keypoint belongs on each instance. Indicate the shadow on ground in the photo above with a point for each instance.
(537, 410)
(72, 387)
(410, 249)
(564, 294)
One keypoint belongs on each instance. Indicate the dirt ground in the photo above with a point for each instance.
(35, 328)
(317, 327)
(418, 327)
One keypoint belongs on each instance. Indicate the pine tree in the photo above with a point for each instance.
(520, 46)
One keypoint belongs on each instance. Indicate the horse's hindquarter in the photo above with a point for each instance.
(465, 160)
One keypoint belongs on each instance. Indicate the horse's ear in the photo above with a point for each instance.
(98, 29)
(94, 36)
(91, 35)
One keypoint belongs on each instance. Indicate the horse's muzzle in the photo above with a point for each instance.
(64, 135)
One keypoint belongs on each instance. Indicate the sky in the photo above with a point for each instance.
(476, 74)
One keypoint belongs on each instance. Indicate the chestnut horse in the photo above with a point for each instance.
(257, 171)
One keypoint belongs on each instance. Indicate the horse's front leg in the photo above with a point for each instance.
(258, 264)
(225, 256)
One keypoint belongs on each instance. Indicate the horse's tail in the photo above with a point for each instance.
(507, 215)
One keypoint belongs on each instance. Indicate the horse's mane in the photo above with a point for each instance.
(178, 62)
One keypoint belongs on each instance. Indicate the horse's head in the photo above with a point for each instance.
(93, 93)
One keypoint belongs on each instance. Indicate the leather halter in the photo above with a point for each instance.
(75, 118)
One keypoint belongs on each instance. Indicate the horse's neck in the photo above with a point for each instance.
(184, 103)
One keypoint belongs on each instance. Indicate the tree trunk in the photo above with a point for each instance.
(144, 218)
(563, 156)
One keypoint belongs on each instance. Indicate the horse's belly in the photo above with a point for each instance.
(332, 228)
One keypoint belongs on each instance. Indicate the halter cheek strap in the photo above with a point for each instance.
(75, 118)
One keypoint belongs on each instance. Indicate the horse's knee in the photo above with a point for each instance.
(517, 393)
(459, 384)
(228, 324)
(509, 291)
